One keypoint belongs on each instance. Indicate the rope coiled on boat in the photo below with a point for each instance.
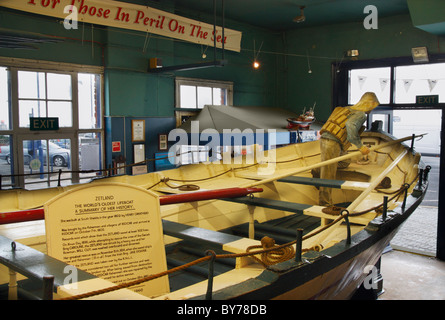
(269, 258)
(183, 187)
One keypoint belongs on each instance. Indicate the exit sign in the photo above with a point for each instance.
(427, 100)
(43, 124)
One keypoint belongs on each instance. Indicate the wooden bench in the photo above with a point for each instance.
(336, 184)
(34, 264)
(316, 182)
(271, 204)
(306, 209)
(226, 242)
(196, 234)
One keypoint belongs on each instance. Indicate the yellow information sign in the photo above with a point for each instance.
(111, 230)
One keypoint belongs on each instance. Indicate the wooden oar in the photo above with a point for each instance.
(327, 162)
(376, 181)
(363, 195)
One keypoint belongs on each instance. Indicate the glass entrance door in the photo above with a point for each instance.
(46, 162)
(68, 97)
(385, 116)
(408, 122)
(403, 123)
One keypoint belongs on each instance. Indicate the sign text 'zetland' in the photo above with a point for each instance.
(41, 124)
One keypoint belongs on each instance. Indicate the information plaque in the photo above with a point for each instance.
(111, 230)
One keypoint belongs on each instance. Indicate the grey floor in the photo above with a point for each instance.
(419, 233)
(410, 276)
(410, 270)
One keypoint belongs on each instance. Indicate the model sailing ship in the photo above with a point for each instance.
(304, 120)
(258, 225)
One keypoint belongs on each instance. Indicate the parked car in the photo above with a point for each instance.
(59, 157)
(4, 152)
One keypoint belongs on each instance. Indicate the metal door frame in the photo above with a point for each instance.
(18, 158)
(19, 134)
(340, 78)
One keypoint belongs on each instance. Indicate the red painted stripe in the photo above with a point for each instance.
(21, 216)
(207, 195)
(39, 214)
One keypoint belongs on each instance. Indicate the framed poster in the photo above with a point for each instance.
(137, 130)
(163, 142)
(139, 153)
(139, 159)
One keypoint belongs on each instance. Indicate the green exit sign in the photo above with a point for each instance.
(43, 124)
(427, 100)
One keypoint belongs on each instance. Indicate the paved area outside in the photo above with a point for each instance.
(419, 233)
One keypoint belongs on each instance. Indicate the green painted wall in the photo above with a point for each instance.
(129, 89)
(133, 92)
(130, 92)
(282, 81)
(70, 48)
(428, 15)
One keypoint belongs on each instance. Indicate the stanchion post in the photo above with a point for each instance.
(299, 245)
(385, 208)
(348, 226)
(48, 287)
(211, 271)
(59, 178)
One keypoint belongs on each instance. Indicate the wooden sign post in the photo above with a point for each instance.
(111, 230)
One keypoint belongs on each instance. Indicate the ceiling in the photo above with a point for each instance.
(278, 14)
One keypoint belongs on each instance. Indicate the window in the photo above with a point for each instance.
(90, 114)
(369, 80)
(5, 160)
(196, 93)
(42, 94)
(42, 158)
(425, 79)
(408, 122)
(70, 93)
(4, 99)
(397, 85)
(192, 154)
(191, 96)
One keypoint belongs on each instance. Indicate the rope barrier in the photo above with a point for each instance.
(271, 254)
(109, 170)
(185, 188)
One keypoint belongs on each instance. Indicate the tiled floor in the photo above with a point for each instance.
(419, 233)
